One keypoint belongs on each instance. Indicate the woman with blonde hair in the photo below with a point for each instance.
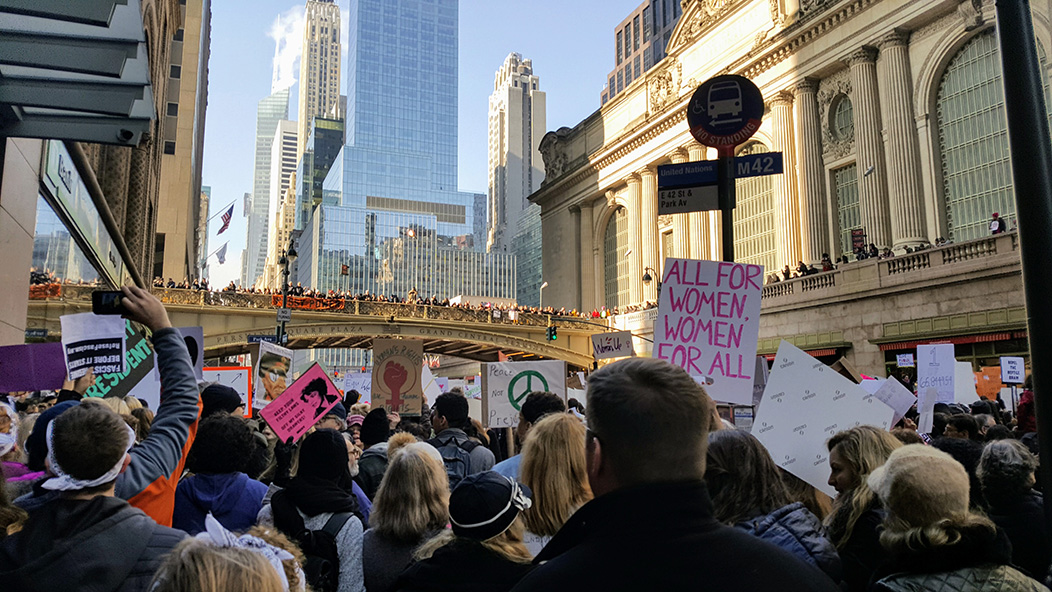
(857, 514)
(554, 469)
(411, 506)
(196, 565)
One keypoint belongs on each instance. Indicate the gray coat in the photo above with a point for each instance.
(481, 457)
(984, 578)
(348, 545)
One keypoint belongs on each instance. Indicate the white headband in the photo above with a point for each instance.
(63, 481)
(8, 440)
(216, 534)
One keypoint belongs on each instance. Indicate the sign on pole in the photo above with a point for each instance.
(612, 345)
(284, 315)
(708, 323)
(1013, 370)
(935, 369)
(506, 384)
(725, 111)
(397, 365)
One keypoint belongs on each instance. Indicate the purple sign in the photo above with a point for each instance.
(32, 367)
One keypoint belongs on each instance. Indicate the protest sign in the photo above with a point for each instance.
(871, 385)
(194, 337)
(804, 404)
(506, 384)
(612, 345)
(935, 369)
(896, 396)
(759, 380)
(473, 390)
(93, 341)
(361, 382)
(926, 408)
(396, 375)
(273, 365)
(988, 382)
(32, 367)
(141, 364)
(964, 383)
(443, 383)
(904, 361)
(238, 378)
(743, 417)
(302, 404)
(1012, 370)
(431, 388)
(708, 323)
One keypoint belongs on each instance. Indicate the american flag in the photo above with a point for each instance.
(226, 220)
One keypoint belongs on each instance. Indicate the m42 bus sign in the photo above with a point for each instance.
(691, 186)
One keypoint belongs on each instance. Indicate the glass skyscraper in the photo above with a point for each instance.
(270, 111)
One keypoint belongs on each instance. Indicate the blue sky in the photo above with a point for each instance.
(571, 45)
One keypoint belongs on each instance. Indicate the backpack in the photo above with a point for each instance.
(322, 560)
(456, 456)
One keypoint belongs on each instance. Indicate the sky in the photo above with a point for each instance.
(571, 44)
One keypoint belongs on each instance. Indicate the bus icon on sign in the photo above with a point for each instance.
(725, 98)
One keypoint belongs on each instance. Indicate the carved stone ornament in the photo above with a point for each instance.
(553, 152)
(663, 86)
(707, 14)
(809, 6)
(665, 220)
(971, 12)
(838, 84)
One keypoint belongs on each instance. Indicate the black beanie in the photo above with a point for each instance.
(36, 443)
(376, 427)
(219, 398)
(484, 505)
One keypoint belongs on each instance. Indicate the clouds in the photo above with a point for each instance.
(287, 33)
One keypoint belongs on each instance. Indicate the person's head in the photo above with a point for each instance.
(995, 215)
(925, 492)
(907, 436)
(117, 404)
(537, 405)
(742, 478)
(999, 432)
(853, 455)
(985, 421)
(198, 565)
(334, 419)
(89, 447)
(648, 422)
(353, 453)
(1006, 471)
(36, 442)
(938, 423)
(224, 444)
(220, 398)
(376, 427)
(449, 411)
(554, 469)
(145, 418)
(132, 403)
(323, 455)
(962, 426)
(966, 452)
(413, 498)
(575, 405)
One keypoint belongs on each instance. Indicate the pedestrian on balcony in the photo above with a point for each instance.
(827, 263)
(801, 268)
(997, 224)
(787, 273)
(874, 252)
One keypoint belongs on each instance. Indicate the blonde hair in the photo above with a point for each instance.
(413, 498)
(399, 441)
(554, 468)
(198, 566)
(116, 404)
(865, 448)
(358, 409)
(292, 567)
(132, 403)
(507, 544)
(899, 536)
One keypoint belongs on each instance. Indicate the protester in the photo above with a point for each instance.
(376, 429)
(334, 419)
(17, 475)
(197, 565)
(907, 436)
(449, 417)
(1006, 474)
(537, 405)
(964, 427)
(1026, 413)
(223, 448)
(554, 469)
(291, 564)
(857, 514)
(145, 419)
(934, 540)
(87, 537)
(319, 498)
(650, 526)
(816, 502)
(365, 506)
(484, 549)
(967, 452)
(11, 516)
(220, 398)
(412, 506)
(748, 493)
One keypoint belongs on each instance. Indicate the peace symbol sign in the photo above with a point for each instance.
(528, 376)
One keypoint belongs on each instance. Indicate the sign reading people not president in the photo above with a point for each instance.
(805, 403)
(302, 404)
(708, 324)
(506, 384)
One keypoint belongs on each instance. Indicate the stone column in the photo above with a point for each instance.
(811, 187)
(137, 235)
(787, 205)
(577, 257)
(651, 255)
(872, 172)
(587, 252)
(903, 155)
(680, 222)
(698, 222)
(635, 271)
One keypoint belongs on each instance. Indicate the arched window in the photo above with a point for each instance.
(615, 243)
(754, 219)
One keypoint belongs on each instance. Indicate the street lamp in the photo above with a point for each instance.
(286, 256)
(540, 297)
(647, 278)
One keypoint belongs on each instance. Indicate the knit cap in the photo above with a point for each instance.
(921, 485)
(484, 505)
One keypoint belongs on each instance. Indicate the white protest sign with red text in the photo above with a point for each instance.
(708, 324)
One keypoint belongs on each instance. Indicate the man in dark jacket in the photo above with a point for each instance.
(87, 538)
(650, 526)
(376, 428)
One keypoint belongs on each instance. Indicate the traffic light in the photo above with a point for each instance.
(552, 333)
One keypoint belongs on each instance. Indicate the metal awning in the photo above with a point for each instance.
(74, 71)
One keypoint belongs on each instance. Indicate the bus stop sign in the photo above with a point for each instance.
(725, 111)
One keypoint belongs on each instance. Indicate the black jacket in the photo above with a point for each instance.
(1023, 520)
(663, 537)
(462, 566)
(96, 545)
(862, 554)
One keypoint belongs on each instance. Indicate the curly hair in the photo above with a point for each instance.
(1006, 470)
(900, 537)
(224, 444)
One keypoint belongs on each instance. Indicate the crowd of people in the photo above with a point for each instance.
(643, 487)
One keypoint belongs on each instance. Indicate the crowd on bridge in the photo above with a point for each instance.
(643, 487)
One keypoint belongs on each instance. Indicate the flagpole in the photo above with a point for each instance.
(221, 210)
(217, 250)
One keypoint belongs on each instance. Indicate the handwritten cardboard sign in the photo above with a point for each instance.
(804, 404)
(964, 389)
(361, 382)
(1012, 370)
(397, 375)
(612, 345)
(935, 369)
(708, 323)
(904, 361)
(93, 342)
(238, 378)
(302, 404)
(506, 384)
(432, 389)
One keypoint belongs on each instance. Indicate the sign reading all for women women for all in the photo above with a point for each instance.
(506, 385)
(709, 322)
(935, 369)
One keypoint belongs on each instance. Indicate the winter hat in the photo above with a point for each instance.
(339, 411)
(376, 427)
(355, 419)
(921, 485)
(36, 443)
(219, 398)
(484, 505)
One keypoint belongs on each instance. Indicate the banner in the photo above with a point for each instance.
(273, 365)
(612, 345)
(935, 369)
(302, 404)
(708, 323)
(804, 404)
(397, 376)
(361, 382)
(32, 367)
(238, 378)
(506, 384)
(93, 341)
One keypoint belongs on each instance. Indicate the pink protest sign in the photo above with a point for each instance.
(302, 404)
(708, 324)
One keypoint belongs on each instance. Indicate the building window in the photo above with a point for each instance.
(843, 122)
(635, 66)
(169, 147)
(664, 13)
(178, 35)
(619, 59)
(620, 80)
(615, 263)
(845, 183)
(647, 24)
(628, 40)
(175, 72)
(635, 33)
(613, 85)
(173, 109)
(754, 217)
(668, 245)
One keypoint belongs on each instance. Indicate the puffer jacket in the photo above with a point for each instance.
(985, 578)
(795, 529)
